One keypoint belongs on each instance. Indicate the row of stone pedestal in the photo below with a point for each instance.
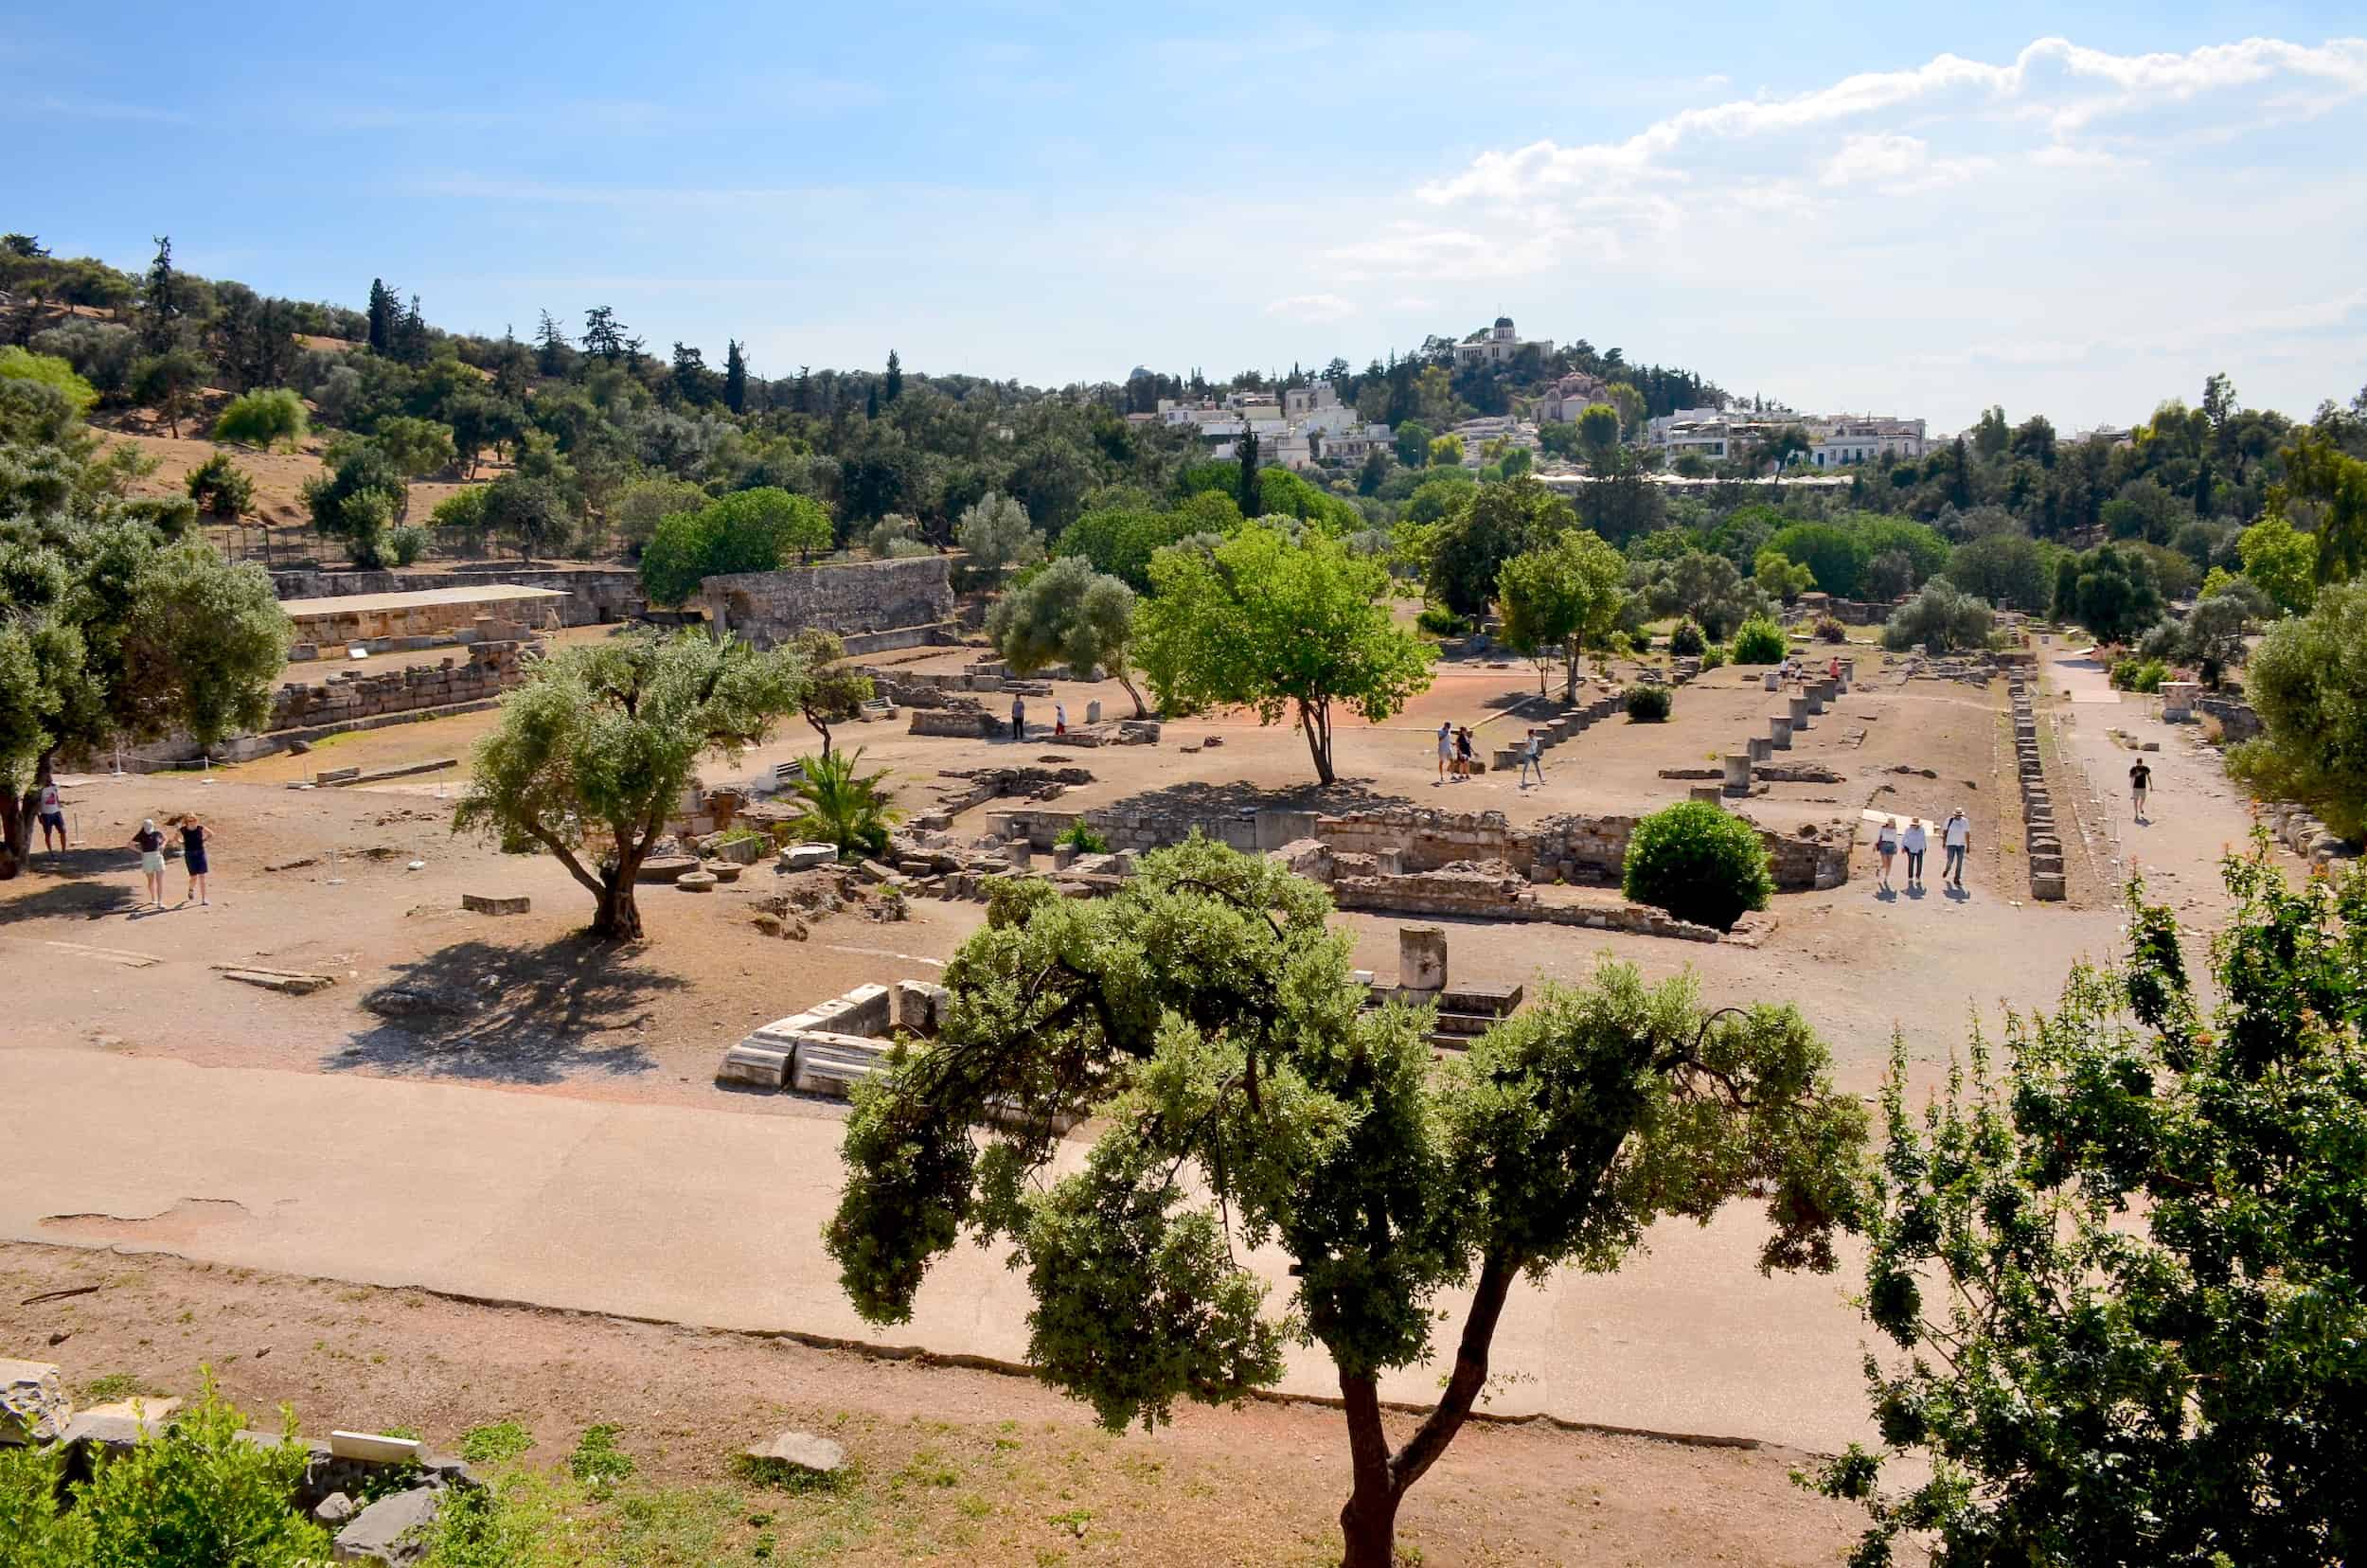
(1805, 702)
(2043, 845)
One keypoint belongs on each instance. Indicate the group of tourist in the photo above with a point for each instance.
(150, 842)
(1456, 764)
(1914, 840)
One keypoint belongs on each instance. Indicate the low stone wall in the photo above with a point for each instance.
(596, 594)
(849, 597)
(1413, 839)
(2237, 719)
(342, 699)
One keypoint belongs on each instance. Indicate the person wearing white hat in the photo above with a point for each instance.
(151, 844)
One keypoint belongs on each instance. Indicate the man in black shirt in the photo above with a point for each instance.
(2140, 782)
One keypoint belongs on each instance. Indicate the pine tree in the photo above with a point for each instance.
(894, 377)
(805, 389)
(871, 401)
(163, 303)
(551, 352)
(603, 334)
(734, 376)
(410, 336)
(1253, 494)
(382, 314)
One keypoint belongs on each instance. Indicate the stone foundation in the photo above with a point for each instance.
(853, 597)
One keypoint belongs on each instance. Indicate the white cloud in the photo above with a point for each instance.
(2038, 219)
(1313, 308)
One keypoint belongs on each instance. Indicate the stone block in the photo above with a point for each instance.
(34, 1405)
(1773, 680)
(377, 1447)
(696, 881)
(864, 1010)
(394, 1529)
(1092, 711)
(828, 1063)
(920, 1006)
(740, 851)
(1758, 748)
(807, 857)
(496, 903)
(872, 871)
(665, 868)
(1800, 711)
(1709, 794)
(1421, 958)
(1738, 780)
(764, 1066)
(1063, 856)
(1779, 734)
(2047, 888)
(801, 1452)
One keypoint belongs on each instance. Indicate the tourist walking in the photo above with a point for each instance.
(1915, 841)
(193, 856)
(1955, 837)
(1019, 719)
(1532, 756)
(151, 844)
(52, 813)
(1885, 845)
(1463, 751)
(2140, 785)
(1446, 748)
(1060, 717)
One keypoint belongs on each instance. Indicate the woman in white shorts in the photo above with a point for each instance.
(151, 844)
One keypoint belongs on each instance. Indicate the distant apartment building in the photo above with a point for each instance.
(1502, 345)
(1835, 441)
(1293, 429)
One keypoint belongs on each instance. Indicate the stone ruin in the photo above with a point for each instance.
(1463, 1012)
(830, 1047)
(2042, 847)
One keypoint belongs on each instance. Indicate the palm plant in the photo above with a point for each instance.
(843, 806)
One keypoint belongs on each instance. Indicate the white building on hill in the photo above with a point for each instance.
(1500, 347)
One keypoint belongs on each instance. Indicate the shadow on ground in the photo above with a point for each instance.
(1238, 797)
(69, 885)
(502, 1014)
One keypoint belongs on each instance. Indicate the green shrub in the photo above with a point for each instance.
(1760, 641)
(1828, 629)
(1686, 641)
(406, 543)
(2139, 674)
(1939, 618)
(193, 1496)
(1699, 863)
(1712, 657)
(263, 419)
(1083, 839)
(1647, 705)
(1439, 621)
(221, 489)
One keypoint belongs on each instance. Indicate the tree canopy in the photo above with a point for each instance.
(2126, 1275)
(1271, 622)
(594, 750)
(1464, 552)
(753, 530)
(1209, 1021)
(1562, 599)
(2308, 681)
(1068, 613)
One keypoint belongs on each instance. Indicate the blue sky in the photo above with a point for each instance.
(1901, 208)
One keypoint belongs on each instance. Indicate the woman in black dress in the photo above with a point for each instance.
(193, 856)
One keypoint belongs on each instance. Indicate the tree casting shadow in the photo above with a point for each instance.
(482, 1011)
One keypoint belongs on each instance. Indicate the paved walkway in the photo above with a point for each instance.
(715, 1218)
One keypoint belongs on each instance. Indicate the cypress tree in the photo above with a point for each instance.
(1252, 496)
(734, 376)
(383, 318)
(894, 378)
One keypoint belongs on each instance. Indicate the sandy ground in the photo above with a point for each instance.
(1012, 1462)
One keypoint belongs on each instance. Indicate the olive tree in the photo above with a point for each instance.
(1207, 1021)
(1069, 614)
(834, 691)
(996, 532)
(2308, 679)
(596, 747)
(1271, 622)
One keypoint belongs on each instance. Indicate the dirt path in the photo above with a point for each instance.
(952, 1465)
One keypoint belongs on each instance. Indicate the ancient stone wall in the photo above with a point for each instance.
(342, 699)
(849, 597)
(2238, 722)
(596, 594)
